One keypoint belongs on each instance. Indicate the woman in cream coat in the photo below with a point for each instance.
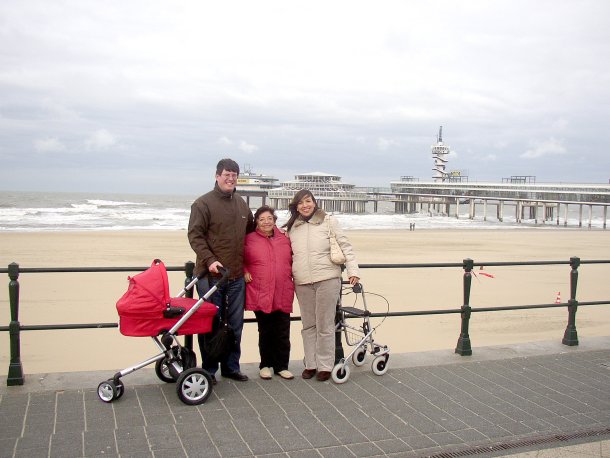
(317, 280)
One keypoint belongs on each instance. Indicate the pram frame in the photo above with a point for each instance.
(193, 385)
(362, 339)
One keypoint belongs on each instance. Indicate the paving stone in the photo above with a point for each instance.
(336, 452)
(67, 444)
(196, 441)
(391, 446)
(131, 440)
(69, 426)
(365, 449)
(7, 447)
(257, 436)
(286, 435)
(32, 453)
(11, 431)
(32, 441)
(99, 442)
(226, 439)
(162, 437)
(314, 430)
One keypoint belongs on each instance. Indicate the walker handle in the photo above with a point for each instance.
(357, 288)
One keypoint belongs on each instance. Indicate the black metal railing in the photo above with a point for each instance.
(463, 347)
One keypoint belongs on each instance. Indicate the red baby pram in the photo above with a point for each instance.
(147, 310)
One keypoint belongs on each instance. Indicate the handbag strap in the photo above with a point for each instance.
(331, 233)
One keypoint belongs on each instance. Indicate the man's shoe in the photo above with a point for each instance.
(286, 374)
(266, 373)
(308, 373)
(240, 377)
(213, 377)
(323, 376)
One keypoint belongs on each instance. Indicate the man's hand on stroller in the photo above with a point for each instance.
(353, 280)
(214, 267)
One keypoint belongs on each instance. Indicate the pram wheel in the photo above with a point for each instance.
(185, 357)
(120, 389)
(107, 391)
(194, 386)
(163, 372)
(380, 364)
(340, 373)
(359, 356)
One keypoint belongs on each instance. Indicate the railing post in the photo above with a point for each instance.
(189, 270)
(463, 347)
(15, 369)
(570, 336)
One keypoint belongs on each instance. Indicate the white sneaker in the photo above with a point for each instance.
(286, 374)
(266, 373)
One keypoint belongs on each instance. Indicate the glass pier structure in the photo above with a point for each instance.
(330, 193)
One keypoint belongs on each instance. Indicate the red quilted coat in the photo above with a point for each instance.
(269, 261)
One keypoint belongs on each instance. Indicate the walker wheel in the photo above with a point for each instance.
(359, 356)
(340, 373)
(107, 391)
(380, 364)
(163, 371)
(194, 386)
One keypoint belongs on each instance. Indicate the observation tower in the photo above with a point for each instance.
(439, 151)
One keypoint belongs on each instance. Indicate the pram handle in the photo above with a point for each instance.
(224, 272)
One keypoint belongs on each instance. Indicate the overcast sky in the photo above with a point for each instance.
(146, 96)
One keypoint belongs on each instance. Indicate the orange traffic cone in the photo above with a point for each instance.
(558, 298)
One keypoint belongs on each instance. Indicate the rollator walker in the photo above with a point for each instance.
(361, 338)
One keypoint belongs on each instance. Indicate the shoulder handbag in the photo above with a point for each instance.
(336, 253)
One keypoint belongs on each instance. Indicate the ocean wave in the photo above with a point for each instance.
(112, 203)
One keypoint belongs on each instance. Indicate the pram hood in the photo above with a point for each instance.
(147, 294)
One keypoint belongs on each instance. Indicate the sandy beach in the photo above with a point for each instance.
(90, 297)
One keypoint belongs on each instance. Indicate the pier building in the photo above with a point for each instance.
(250, 184)
(330, 192)
(250, 181)
(538, 201)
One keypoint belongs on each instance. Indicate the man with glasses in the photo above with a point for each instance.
(217, 228)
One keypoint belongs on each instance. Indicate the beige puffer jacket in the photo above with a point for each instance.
(311, 250)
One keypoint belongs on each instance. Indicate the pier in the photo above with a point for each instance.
(542, 203)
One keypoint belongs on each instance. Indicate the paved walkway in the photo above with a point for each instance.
(539, 399)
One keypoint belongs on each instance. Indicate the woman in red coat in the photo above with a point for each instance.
(270, 291)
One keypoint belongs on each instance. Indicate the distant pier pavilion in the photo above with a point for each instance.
(330, 193)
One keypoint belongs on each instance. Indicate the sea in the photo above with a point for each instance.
(59, 211)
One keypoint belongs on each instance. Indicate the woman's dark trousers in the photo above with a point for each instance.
(274, 339)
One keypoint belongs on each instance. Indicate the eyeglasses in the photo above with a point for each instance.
(228, 175)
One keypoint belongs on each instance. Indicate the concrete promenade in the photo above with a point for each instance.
(536, 399)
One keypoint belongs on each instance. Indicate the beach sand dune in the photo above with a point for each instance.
(59, 298)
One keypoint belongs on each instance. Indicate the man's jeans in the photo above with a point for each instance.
(236, 292)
